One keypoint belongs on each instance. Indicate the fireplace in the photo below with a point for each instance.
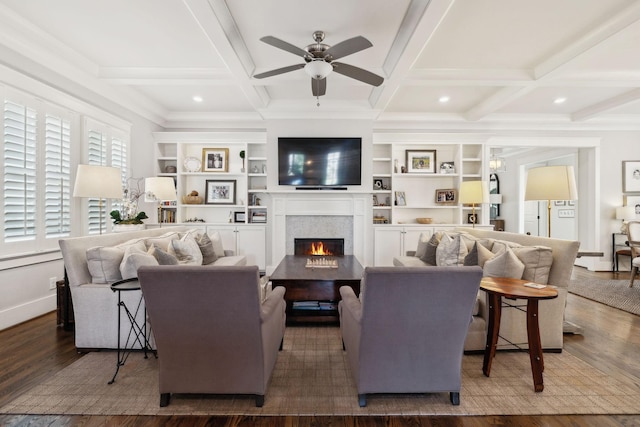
(318, 246)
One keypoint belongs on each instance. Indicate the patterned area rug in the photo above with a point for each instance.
(312, 377)
(614, 293)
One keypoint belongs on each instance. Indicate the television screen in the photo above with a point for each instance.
(319, 162)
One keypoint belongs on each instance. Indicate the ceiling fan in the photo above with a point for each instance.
(319, 61)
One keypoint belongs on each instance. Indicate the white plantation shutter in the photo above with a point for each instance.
(97, 155)
(119, 160)
(57, 173)
(20, 125)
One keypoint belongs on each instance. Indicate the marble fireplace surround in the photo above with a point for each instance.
(319, 214)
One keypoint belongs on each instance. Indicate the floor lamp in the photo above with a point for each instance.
(551, 183)
(158, 189)
(472, 193)
(101, 182)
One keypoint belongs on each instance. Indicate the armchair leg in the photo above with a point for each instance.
(281, 344)
(164, 399)
(455, 397)
(259, 400)
(634, 271)
(362, 400)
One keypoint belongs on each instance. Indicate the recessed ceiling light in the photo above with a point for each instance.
(559, 100)
(197, 98)
(443, 99)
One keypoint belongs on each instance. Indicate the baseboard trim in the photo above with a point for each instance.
(30, 310)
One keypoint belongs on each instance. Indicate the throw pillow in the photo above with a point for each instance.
(187, 251)
(504, 264)
(537, 262)
(478, 255)
(423, 240)
(162, 241)
(468, 240)
(133, 261)
(163, 258)
(206, 248)
(103, 263)
(451, 251)
(138, 247)
(429, 256)
(216, 240)
(472, 257)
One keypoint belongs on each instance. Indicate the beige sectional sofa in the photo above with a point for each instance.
(545, 260)
(92, 263)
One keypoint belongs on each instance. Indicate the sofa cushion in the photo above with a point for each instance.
(409, 261)
(103, 263)
(162, 241)
(163, 257)
(431, 248)
(134, 260)
(206, 248)
(422, 244)
(504, 264)
(537, 262)
(216, 240)
(451, 251)
(187, 251)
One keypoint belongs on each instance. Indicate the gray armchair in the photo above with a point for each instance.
(212, 333)
(406, 332)
(633, 234)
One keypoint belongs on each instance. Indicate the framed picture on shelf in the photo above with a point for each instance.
(559, 203)
(472, 218)
(631, 176)
(447, 196)
(400, 199)
(215, 160)
(377, 184)
(239, 216)
(220, 192)
(635, 202)
(421, 161)
(447, 167)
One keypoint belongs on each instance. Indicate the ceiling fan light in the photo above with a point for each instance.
(318, 69)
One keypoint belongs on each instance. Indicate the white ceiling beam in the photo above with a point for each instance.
(218, 26)
(496, 101)
(606, 105)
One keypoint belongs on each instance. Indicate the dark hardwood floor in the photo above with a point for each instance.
(35, 350)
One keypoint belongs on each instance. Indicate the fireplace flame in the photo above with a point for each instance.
(319, 249)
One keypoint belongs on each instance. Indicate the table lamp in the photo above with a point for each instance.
(625, 213)
(551, 183)
(474, 192)
(101, 182)
(158, 189)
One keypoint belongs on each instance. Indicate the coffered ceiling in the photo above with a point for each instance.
(563, 62)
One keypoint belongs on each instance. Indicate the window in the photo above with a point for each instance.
(57, 193)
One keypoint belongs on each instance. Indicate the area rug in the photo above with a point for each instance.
(312, 378)
(614, 293)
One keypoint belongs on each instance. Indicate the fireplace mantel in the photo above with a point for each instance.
(355, 205)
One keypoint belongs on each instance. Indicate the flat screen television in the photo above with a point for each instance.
(319, 162)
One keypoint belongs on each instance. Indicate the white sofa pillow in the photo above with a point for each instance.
(423, 240)
(504, 264)
(451, 251)
(187, 251)
(537, 262)
(133, 261)
(216, 240)
(103, 263)
(162, 241)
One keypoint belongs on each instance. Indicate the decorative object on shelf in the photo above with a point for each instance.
(375, 200)
(472, 193)
(380, 219)
(215, 160)
(424, 220)
(400, 199)
(170, 169)
(264, 168)
(239, 216)
(377, 184)
(220, 192)
(421, 161)
(192, 198)
(559, 203)
(100, 182)
(242, 153)
(255, 169)
(625, 213)
(259, 217)
(631, 176)
(551, 183)
(192, 164)
(395, 166)
(403, 169)
(194, 219)
(447, 167)
(447, 196)
(159, 189)
(128, 212)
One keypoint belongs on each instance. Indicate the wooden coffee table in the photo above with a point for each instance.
(499, 287)
(315, 285)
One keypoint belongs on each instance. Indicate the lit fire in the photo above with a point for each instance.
(319, 249)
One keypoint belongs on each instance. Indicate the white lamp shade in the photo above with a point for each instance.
(551, 183)
(101, 182)
(318, 69)
(474, 192)
(625, 213)
(160, 188)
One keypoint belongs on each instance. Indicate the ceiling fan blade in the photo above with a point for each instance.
(278, 71)
(318, 87)
(347, 47)
(281, 44)
(357, 73)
